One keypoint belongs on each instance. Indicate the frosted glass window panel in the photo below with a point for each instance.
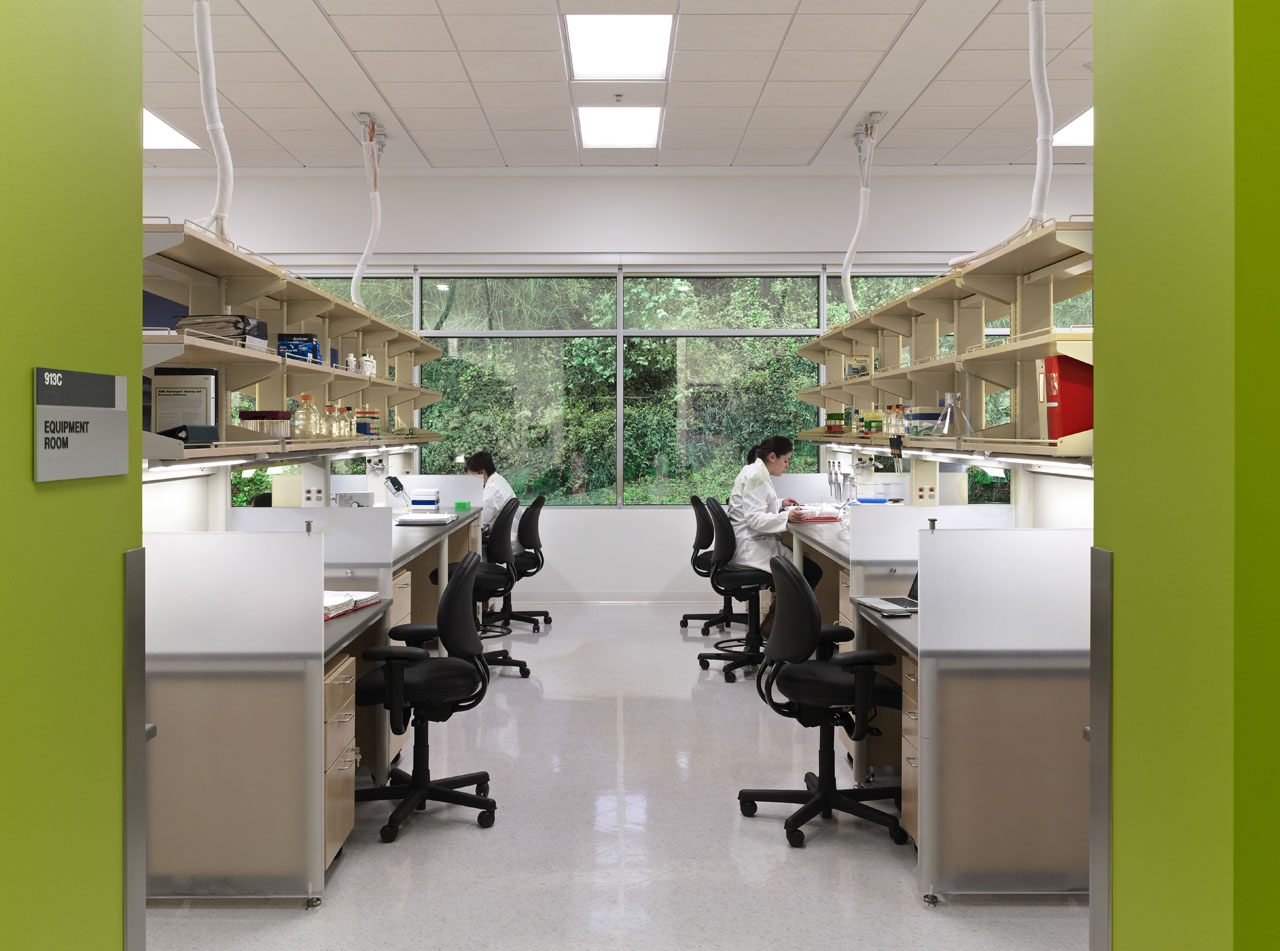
(804, 487)
(890, 533)
(234, 594)
(352, 536)
(453, 488)
(1006, 591)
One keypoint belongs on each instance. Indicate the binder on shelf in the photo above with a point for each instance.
(338, 603)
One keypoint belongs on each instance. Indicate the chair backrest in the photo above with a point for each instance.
(455, 617)
(797, 619)
(704, 532)
(500, 534)
(261, 501)
(726, 544)
(527, 533)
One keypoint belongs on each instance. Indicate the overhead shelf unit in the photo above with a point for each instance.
(188, 265)
(940, 339)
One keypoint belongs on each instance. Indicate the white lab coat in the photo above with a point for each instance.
(497, 492)
(756, 517)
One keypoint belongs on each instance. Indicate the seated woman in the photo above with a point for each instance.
(758, 517)
(497, 490)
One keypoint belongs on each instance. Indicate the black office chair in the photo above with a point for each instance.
(411, 681)
(740, 584)
(841, 690)
(495, 579)
(700, 560)
(527, 564)
(261, 501)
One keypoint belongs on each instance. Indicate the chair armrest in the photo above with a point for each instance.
(864, 659)
(408, 654)
(828, 637)
(396, 660)
(413, 633)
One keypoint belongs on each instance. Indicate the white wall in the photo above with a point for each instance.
(1060, 501)
(918, 216)
(179, 505)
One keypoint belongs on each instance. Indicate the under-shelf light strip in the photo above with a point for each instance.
(211, 464)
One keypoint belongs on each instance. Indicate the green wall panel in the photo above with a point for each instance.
(70, 177)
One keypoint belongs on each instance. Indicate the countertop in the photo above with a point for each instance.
(410, 541)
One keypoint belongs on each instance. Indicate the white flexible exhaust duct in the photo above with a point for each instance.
(1044, 131)
(865, 143)
(371, 149)
(217, 221)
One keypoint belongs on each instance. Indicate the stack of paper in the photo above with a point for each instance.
(344, 602)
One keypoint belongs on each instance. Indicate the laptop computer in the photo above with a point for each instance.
(896, 605)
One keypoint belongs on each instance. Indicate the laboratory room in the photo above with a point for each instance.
(637, 474)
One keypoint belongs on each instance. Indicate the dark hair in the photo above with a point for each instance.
(480, 462)
(778, 445)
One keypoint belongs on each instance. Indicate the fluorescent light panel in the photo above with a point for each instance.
(158, 134)
(613, 46)
(619, 127)
(1079, 131)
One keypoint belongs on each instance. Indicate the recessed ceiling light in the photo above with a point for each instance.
(619, 127)
(1079, 131)
(158, 134)
(629, 46)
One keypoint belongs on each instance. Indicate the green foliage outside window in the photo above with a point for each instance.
(868, 293)
(463, 304)
(986, 488)
(720, 303)
(245, 487)
(390, 298)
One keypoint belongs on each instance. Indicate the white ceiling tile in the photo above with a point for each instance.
(949, 117)
(505, 32)
(534, 67)
(700, 139)
(982, 139)
(731, 118)
(314, 141)
(635, 93)
(730, 32)
(722, 65)
(1084, 41)
(497, 6)
(1063, 92)
(541, 157)
(230, 33)
(863, 6)
(271, 95)
(888, 156)
(696, 156)
(178, 96)
(808, 95)
(330, 158)
(1008, 31)
(620, 6)
(424, 67)
(443, 120)
(455, 141)
(1011, 117)
(167, 68)
(429, 95)
(785, 139)
(1069, 155)
(393, 33)
(179, 158)
(294, 120)
(1059, 6)
(252, 67)
(378, 7)
(824, 65)
(242, 132)
(951, 93)
(179, 7)
(1070, 64)
(264, 158)
(737, 6)
(939, 140)
(798, 118)
(465, 158)
(530, 119)
(619, 156)
(563, 139)
(518, 95)
(980, 157)
(844, 32)
(986, 65)
(773, 157)
(713, 94)
(152, 43)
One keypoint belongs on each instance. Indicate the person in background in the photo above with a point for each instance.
(759, 517)
(497, 490)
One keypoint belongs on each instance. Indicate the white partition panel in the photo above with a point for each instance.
(234, 593)
(352, 536)
(453, 488)
(1023, 589)
(347, 483)
(890, 533)
(804, 487)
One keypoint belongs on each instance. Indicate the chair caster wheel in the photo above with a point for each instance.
(704, 664)
(730, 676)
(421, 806)
(536, 628)
(524, 672)
(548, 621)
(706, 632)
(485, 818)
(388, 833)
(748, 807)
(684, 622)
(898, 835)
(795, 838)
(482, 789)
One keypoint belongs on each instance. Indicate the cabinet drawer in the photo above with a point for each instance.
(910, 788)
(910, 720)
(401, 598)
(846, 608)
(339, 684)
(910, 678)
(339, 732)
(339, 802)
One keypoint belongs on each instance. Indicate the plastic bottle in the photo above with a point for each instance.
(303, 421)
(351, 362)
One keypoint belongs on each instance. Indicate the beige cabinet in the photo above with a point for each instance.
(910, 743)
(339, 753)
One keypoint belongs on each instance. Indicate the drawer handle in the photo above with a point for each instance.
(911, 761)
(350, 763)
(909, 677)
(402, 587)
(345, 682)
(911, 716)
(347, 719)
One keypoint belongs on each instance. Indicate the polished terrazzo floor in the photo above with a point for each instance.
(615, 768)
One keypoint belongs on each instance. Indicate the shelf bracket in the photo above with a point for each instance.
(894, 324)
(244, 290)
(867, 336)
(943, 311)
(242, 375)
(297, 312)
(1000, 288)
(1002, 374)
